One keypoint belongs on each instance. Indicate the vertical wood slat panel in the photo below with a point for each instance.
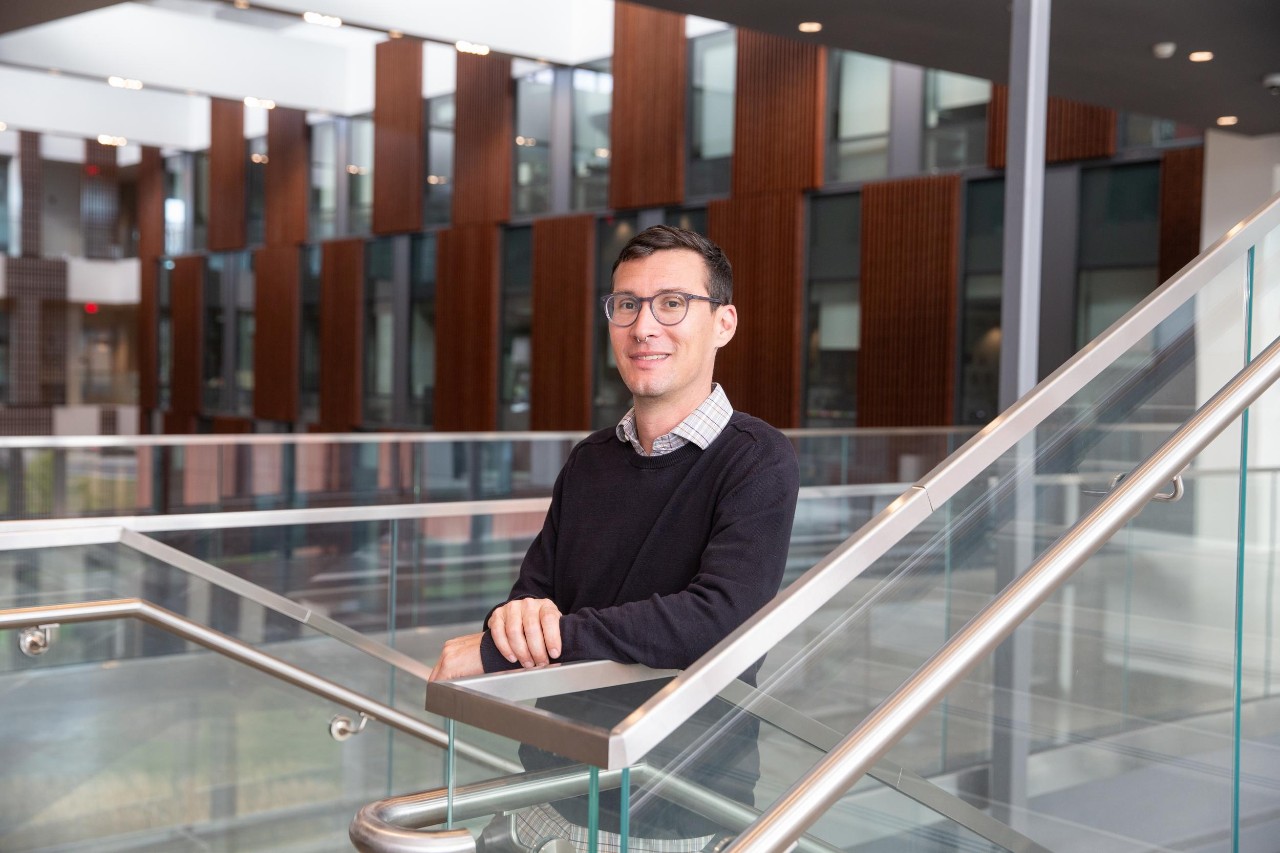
(1073, 131)
(275, 351)
(288, 184)
(564, 307)
(186, 300)
(100, 200)
(483, 140)
(467, 339)
(341, 335)
(909, 292)
(398, 144)
(779, 102)
(228, 226)
(647, 121)
(31, 177)
(1181, 193)
(763, 236)
(150, 219)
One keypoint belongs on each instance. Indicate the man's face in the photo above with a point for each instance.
(670, 364)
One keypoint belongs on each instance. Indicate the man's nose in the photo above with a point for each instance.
(646, 325)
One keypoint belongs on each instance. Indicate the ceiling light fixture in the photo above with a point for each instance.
(241, 4)
(1200, 55)
(1227, 121)
(113, 141)
(322, 20)
(810, 27)
(395, 34)
(471, 47)
(124, 82)
(602, 153)
(1164, 49)
(260, 103)
(3, 127)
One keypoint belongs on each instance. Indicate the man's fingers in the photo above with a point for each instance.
(497, 629)
(515, 636)
(550, 623)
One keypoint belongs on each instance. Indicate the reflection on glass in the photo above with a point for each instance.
(592, 102)
(690, 219)
(179, 200)
(213, 365)
(533, 137)
(1134, 130)
(243, 294)
(955, 120)
(164, 333)
(517, 327)
(834, 311)
(309, 337)
(379, 330)
(324, 179)
(359, 169)
(422, 331)
(980, 301)
(440, 113)
(858, 147)
(200, 205)
(256, 197)
(712, 75)
(610, 398)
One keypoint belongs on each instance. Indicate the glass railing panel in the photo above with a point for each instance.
(865, 456)
(179, 751)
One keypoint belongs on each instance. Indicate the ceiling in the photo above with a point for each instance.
(1101, 50)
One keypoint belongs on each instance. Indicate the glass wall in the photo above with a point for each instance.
(227, 364)
(534, 84)
(309, 336)
(981, 283)
(834, 317)
(858, 124)
(712, 74)
(244, 298)
(213, 364)
(360, 175)
(379, 331)
(437, 208)
(324, 180)
(5, 212)
(517, 328)
(164, 334)
(422, 331)
(1141, 131)
(610, 398)
(955, 120)
(592, 103)
(1119, 244)
(256, 196)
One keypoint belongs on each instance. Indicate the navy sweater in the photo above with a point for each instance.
(654, 560)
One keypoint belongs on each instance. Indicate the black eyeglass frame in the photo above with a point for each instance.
(608, 297)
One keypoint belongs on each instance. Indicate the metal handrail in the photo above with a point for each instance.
(831, 777)
(145, 611)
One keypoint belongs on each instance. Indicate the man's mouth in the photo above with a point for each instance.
(655, 357)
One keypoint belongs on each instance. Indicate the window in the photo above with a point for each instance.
(858, 129)
(981, 287)
(592, 103)
(712, 76)
(256, 195)
(955, 120)
(534, 85)
(5, 207)
(164, 334)
(360, 175)
(309, 336)
(422, 331)
(229, 323)
(611, 399)
(834, 330)
(438, 202)
(379, 331)
(324, 180)
(517, 326)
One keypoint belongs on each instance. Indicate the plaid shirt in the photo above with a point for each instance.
(701, 427)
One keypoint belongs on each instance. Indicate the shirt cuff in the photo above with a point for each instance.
(491, 659)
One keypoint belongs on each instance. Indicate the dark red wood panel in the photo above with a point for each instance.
(150, 219)
(778, 114)
(186, 288)
(1073, 131)
(341, 335)
(467, 340)
(398, 145)
(178, 423)
(564, 306)
(229, 425)
(31, 176)
(1181, 194)
(288, 183)
(647, 121)
(100, 200)
(227, 176)
(483, 140)
(909, 293)
(760, 369)
(275, 349)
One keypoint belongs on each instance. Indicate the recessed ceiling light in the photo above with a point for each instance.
(810, 27)
(1201, 55)
(1227, 121)
(472, 47)
(395, 34)
(113, 141)
(261, 103)
(241, 4)
(124, 82)
(322, 20)
(1164, 49)
(3, 127)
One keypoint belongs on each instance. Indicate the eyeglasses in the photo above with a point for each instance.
(669, 307)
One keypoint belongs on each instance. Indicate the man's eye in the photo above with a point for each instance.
(672, 302)
(625, 305)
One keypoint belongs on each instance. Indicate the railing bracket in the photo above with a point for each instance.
(342, 728)
(36, 640)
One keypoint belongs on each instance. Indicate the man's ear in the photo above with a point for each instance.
(726, 324)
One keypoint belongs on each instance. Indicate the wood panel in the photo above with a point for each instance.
(186, 289)
(483, 140)
(277, 298)
(341, 335)
(150, 219)
(230, 425)
(31, 177)
(778, 114)
(227, 176)
(467, 340)
(398, 144)
(647, 121)
(909, 293)
(1181, 194)
(288, 183)
(761, 368)
(100, 200)
(564, 306)
(178, 423)
(1073, 131)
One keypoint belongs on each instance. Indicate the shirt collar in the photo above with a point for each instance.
(701, 426)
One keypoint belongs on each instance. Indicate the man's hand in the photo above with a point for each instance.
(459, 657)
(527, 630)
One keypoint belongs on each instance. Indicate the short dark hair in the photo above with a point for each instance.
(662, 238)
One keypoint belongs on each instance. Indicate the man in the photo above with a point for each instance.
(664, 533)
